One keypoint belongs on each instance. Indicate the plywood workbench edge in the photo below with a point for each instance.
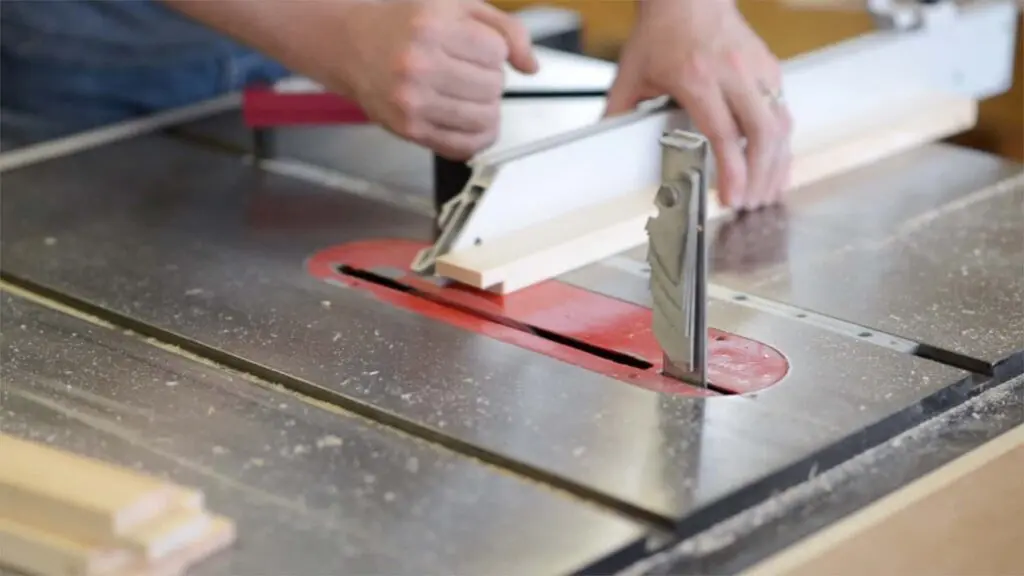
(824, 542)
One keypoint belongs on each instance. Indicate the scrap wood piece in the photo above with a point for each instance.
(562, 244)
(63, 514)
(963, 518)
(55, 490)
(219, 534)
(166, 534)
(41, 553)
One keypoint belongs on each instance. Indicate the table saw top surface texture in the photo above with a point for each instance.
(305, 400)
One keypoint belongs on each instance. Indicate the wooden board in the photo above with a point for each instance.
(964, 518)
(66, 515)
(41, 553)
(101, 502)
(35, 551)
(163, 536)
(556, 246)
(559, 245)
(219, 534)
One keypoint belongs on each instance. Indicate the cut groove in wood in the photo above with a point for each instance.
(964, 518)
(559, 245)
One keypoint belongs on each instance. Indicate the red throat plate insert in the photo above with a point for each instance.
(736, 365)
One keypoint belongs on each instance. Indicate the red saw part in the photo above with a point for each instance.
(266, 107)
(735, 364)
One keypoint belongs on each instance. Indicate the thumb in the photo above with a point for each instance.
(520, 45)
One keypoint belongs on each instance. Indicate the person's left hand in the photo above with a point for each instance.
(705, 56)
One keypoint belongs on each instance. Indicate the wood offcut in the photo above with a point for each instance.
(66, 515)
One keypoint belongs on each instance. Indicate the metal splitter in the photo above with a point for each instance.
(677, 254)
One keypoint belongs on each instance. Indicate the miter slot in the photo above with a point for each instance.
(866, 333)
(1010, 366)
(610, 355)
(386, 278)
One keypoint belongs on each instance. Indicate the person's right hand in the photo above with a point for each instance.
(705, 55)
(432, 71)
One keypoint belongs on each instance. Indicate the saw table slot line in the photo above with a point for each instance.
(654, 521)
(864, 333)
(797, 473)
(1001, 372)
(741, 542)
(581, 345)
(610, 355)
(541, 318)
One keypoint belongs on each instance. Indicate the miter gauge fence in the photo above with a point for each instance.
(831, 93)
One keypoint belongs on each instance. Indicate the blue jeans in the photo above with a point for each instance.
(72, 65)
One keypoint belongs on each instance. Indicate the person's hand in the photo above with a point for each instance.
(432, 71)
(704, 55)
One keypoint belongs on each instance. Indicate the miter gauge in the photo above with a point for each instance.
(677, 254)
(911, 59)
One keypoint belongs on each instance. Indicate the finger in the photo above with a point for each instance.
(520, 45)
(477, 43)
(461, 80)
(783, 157)
(706, 105)
(458, 146)
(774, 188)
(465, 116)
(769, 195)
(784, 163)
(759, 125)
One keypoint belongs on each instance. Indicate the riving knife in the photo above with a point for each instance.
(677, 254)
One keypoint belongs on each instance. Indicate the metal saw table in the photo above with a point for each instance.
(172, 307)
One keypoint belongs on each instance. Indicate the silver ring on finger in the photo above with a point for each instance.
(773, 96)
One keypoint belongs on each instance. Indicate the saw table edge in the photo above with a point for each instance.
(802, 557)
(559, 245)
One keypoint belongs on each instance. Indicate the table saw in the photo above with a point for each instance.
(259, 329)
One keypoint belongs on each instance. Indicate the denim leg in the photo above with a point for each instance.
(42, 99)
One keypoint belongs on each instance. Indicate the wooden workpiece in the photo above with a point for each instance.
(558, 245)
(965, 518)
(66, 515)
